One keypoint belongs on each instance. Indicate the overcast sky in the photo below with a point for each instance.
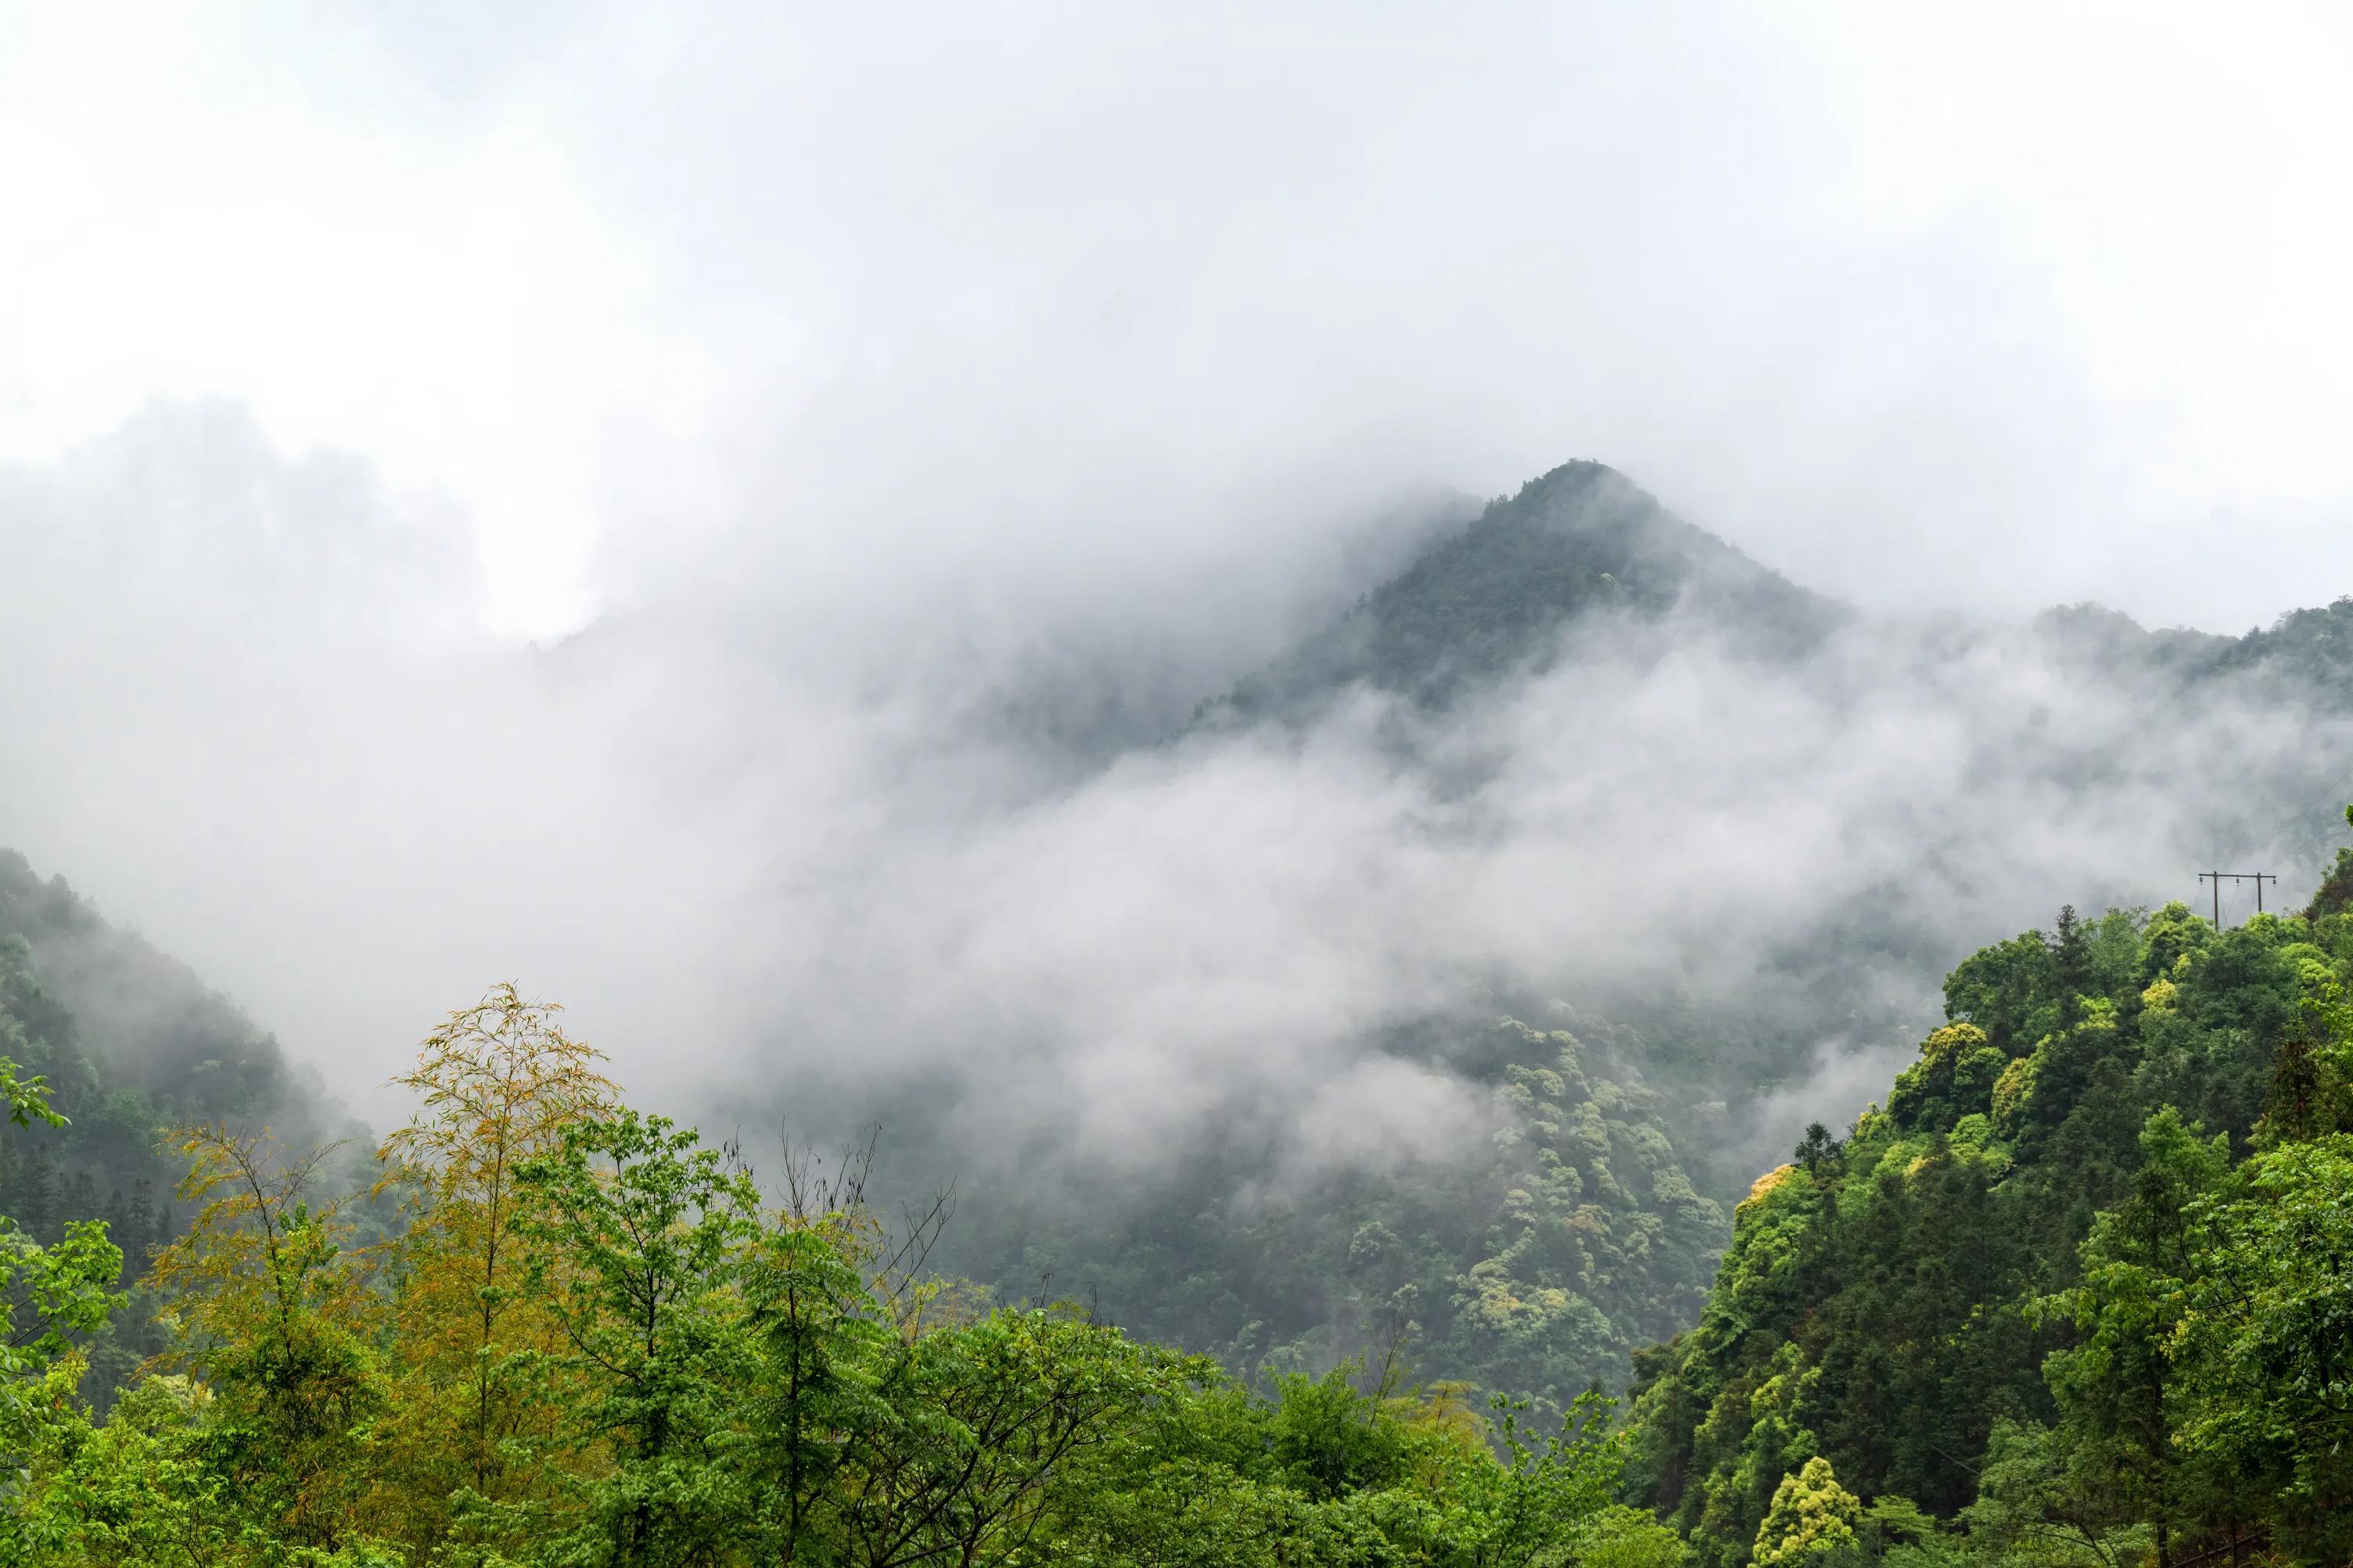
(889, 365)
(1987, 307)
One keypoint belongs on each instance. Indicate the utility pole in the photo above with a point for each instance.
(2257, 878)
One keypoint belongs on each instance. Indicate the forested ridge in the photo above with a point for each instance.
(127, 1043)
(1490, 600)
(1570, 1236)
(2080, 1290)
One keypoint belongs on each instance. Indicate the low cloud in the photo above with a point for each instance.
(777, 861)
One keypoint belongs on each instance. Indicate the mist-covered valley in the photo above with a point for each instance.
(1262, 952)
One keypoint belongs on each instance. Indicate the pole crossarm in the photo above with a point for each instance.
(2218, 878)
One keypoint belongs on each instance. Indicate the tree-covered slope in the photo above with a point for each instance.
(128, 1044)
(2304, 656)
(2020, 1295)
(115, 1010)
(1538, 1259)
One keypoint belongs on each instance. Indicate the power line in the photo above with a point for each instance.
(2335, 792)
(2257, 878)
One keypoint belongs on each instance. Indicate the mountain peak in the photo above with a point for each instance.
(1496, 596)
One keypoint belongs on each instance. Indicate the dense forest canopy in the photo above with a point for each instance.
(2078, 1292)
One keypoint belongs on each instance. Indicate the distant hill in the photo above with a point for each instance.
(2314, 645)
(141, 1020)
(1578, 561)
(130, 1043)
(1497, 597)
(2306, 654)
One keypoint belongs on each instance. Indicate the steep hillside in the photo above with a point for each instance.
(130, 1043)
(2019, 1294)
(1537, 1259)
(117, 1010)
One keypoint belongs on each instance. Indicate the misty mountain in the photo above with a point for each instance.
(1495, 596)
(113, 1008)
(1584, 575)
(2306, 656)
(130, 1044)
(1577, 630)
(1201, 1014)
(1993, 1294)
(1495, 599)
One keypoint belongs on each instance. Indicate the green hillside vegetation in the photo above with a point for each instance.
(1570, 1237)
(126, 1043)
(596, 1340)
(2304, 657)
(2080, 1292)
(115, 1009)
(2311, 646)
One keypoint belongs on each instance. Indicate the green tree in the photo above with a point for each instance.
(2266, 1345)
(140, 1490)
(831, 1370)
(1813, 1518)
(274, 1308)
(2030, 1509)
(1002, 1426)
(2118, 1394)
(637, 1231)
(55, 1297)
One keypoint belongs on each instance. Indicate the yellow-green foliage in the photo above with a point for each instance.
(2031, 1299)
(1953, 1077)
(1593, 1207)
(2011, 1091)
(1811, 1516)
(1622, 1537)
